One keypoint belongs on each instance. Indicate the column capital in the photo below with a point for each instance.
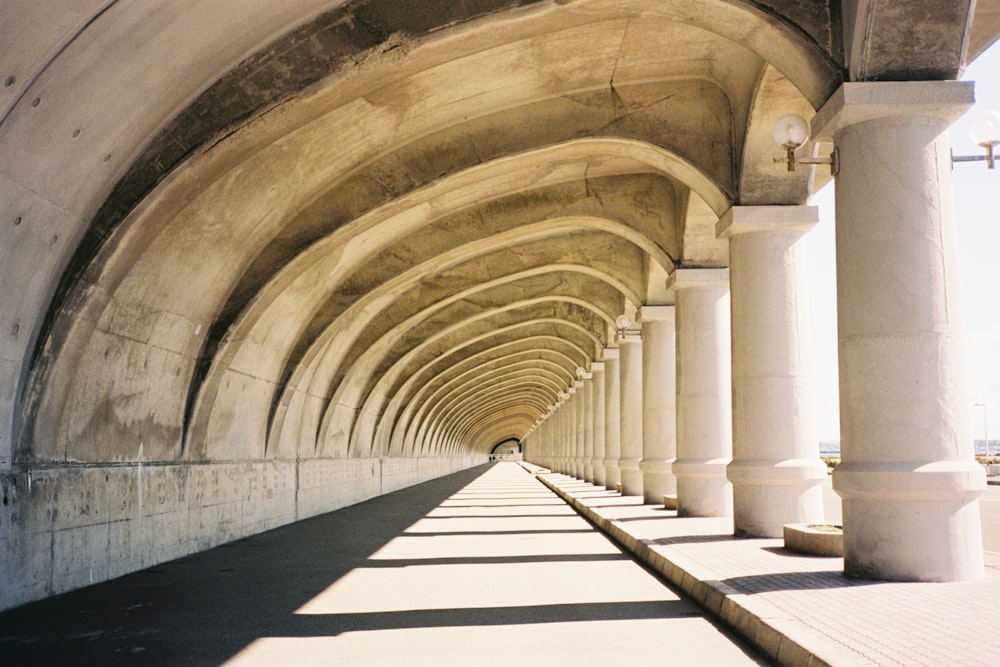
(597, 367)
(656, 313)
(784, 219)
(610, 353)
(861, 101)
(686, 278)
(584, 376)
(577, 384)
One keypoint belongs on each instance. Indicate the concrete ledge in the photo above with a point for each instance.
(67, 525)
(533, 469)
(814, 540)
(757, 622)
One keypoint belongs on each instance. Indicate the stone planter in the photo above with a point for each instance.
(814, 539)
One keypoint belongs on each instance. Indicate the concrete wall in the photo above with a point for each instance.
(70, 525)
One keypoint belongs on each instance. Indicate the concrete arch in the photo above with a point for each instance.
(403, 419)
(457, 398)
(464, 427)
(354, 321)
(457, 419)
(318, 261)
(189, 187)
(504, 442)
(587, 341)
(528, 336)
(248, 349)
(517, 311)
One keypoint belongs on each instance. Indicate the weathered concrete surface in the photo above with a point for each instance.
(69, 526)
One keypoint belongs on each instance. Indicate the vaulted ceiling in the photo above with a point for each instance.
(309, 228)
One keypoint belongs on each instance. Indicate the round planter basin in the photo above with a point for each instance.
(814, 539)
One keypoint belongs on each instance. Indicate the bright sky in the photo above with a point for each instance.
(978, 221)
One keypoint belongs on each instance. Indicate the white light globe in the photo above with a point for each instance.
(984, 128)
(790, 131)
(623, 321)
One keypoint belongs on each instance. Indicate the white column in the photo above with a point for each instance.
(581, 418)
(600, 476)
(908, 479)
(659, 403)
(704, 412)
(612, 418)
(776, 472)
(630, 346)
(541, 454)
(573, 435)
(588, 426)
(563, 427)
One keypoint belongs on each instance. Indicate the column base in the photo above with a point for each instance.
(702, 487)
(912, 521)
(600, 475)
(631, 477)
(657, 479)
(767, 494)
(612, 474)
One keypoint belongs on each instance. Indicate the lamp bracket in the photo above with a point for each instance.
(833, 160)
(989, 158)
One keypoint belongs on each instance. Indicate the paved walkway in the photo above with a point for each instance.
(485, 567)
(799, 610)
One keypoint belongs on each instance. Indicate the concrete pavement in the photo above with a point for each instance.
(484, 567)
(799, 610)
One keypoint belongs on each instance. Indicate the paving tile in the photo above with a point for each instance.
(826, 617)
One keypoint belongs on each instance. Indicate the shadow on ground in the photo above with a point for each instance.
(207, 607)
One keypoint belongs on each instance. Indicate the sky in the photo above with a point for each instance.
(977, 217)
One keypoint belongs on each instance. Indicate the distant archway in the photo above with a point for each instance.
(506, 449)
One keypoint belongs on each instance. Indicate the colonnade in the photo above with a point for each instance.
(710, 398)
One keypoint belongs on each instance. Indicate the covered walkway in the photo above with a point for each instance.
(482, 567)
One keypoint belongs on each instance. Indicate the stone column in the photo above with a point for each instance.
(563, 430)
(573, 435)
(612, 418)
(776, 472)
(630, 346)
(704, 412)
(588, 426)
(540, 450)
(908, 478)
(581, 420)
(546, 429)
(600, 476)
(659, 403)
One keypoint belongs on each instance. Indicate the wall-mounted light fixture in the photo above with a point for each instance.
(984, 130)
(791, 132)
(622, 323)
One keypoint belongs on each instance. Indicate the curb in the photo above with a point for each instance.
(726, 604)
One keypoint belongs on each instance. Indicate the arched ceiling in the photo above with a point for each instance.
(313, 228)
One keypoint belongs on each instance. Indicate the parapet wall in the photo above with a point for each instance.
(71, 525)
